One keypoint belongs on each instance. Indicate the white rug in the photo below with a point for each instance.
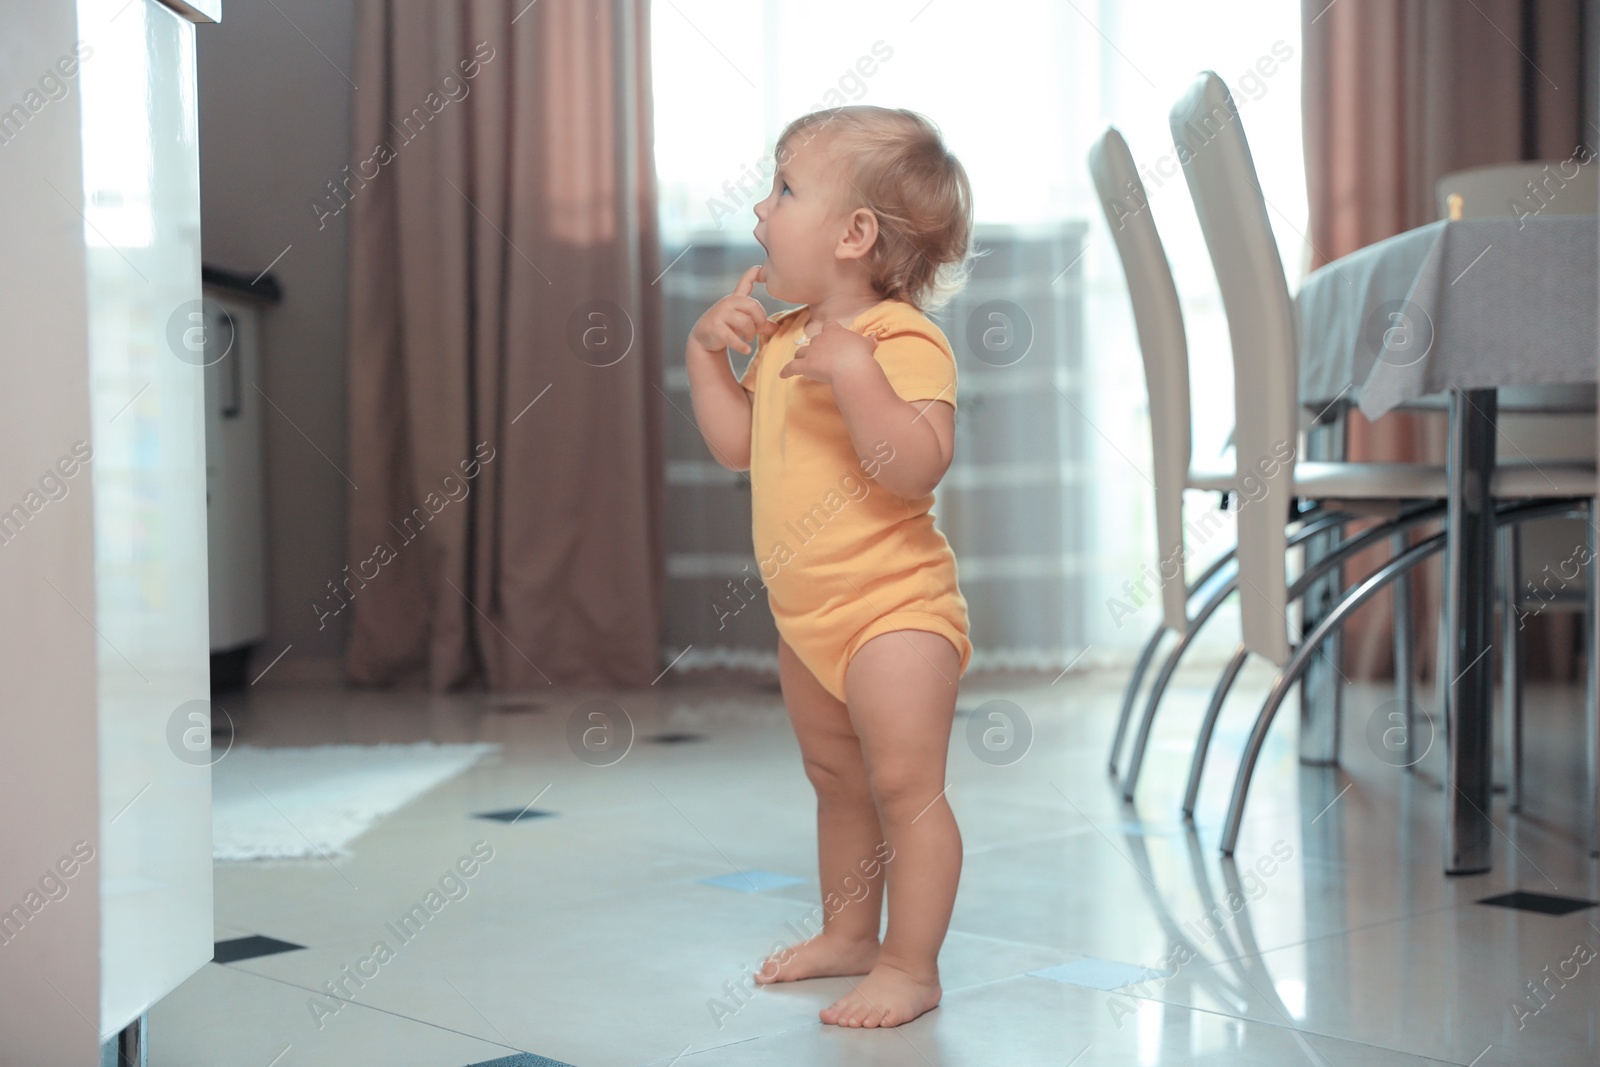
(286, 803)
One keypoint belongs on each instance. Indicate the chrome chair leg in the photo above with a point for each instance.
(1169, 667)
(1131, 694)
(1202, 743)
(1592, 689)
(1353, 599)
(1403, 644)
(1321, 688)
(1511, 662)
(1313, 523)
(1297, 665)
(1441, 657)
(1316, 573)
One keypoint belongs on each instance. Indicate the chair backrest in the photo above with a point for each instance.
(1261, 328)
(1158, 318)
(1519, 190)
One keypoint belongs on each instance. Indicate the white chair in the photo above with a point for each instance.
(1222, 179)
(1158, 320)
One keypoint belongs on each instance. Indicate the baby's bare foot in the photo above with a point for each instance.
(888, 996)
(818, 957)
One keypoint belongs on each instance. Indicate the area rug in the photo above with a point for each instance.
(288, 803)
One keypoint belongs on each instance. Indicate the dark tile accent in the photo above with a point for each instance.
(248, 948)
(1543, 903)
(511, 815)
(673, 739)
(522, 1059)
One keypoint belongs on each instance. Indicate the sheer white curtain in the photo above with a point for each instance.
(1047, 503)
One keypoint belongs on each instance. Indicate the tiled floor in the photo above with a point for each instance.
(594, 936)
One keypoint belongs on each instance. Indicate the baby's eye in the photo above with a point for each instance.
(785, 188)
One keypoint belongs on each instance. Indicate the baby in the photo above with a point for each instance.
(845, 420)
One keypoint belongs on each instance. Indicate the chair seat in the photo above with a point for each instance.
(1333, 480)
(1560, 399)
(1216, 479)
(1552, 478)
(1326, 479)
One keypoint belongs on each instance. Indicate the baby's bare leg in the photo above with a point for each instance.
(901, 688)
(849, 842)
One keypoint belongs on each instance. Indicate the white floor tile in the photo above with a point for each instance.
(1332, 937)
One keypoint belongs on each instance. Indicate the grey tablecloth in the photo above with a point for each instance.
(1475, 304)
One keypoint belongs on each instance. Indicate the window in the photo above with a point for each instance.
(1047, 507)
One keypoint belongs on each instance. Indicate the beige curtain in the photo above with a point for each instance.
(1398, 93)
(504, 347)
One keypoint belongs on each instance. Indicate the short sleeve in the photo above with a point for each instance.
(918, 363)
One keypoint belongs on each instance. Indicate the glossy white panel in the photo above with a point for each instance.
(49, 919)
(142, 236)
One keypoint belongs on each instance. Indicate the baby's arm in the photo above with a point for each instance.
(921, 434)
(722, 407)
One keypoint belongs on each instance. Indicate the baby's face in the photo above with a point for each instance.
(801, 224)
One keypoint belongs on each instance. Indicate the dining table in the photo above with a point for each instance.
(1451, 314)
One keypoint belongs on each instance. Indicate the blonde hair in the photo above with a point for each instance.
(899, 169)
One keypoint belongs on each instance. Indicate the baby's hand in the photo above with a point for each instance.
(829, 353)
(735, 318)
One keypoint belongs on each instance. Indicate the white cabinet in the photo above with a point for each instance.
(105, 844)
(235, 504)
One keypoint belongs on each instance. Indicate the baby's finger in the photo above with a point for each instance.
(747, 281)
(734, 340)
(755, 308)
(742, 322)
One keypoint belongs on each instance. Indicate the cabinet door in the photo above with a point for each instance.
(235, 519)
(105, 846)
(141, 191)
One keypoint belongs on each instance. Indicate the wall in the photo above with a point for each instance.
(274, 129)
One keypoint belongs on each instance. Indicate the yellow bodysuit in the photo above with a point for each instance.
(843, 558)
